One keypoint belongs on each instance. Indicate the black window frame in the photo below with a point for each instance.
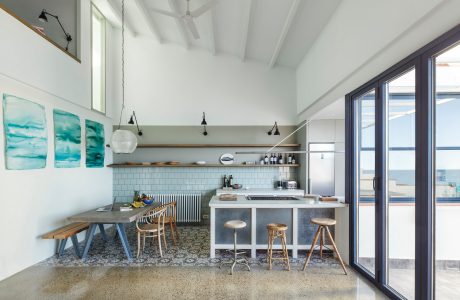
(422, 59)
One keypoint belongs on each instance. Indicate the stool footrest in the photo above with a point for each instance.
(237, 252)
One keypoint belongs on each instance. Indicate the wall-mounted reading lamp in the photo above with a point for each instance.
(275, 127)
(204, 124)
(134, 119)
(43, 18)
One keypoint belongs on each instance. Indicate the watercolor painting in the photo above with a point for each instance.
(26, 139)
(94, 144)
(67, 139)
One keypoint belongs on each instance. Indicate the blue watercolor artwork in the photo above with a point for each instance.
(95, 150)
(26, 138)
(67, 139)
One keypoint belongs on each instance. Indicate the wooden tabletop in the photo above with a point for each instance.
(112, 217)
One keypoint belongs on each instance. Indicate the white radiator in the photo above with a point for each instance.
(188, 206)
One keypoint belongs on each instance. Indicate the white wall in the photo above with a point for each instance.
(36, 201)
(364, 38)
(167, 85)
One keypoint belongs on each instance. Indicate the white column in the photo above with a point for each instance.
(213, 233)
(295, 232)
(253, 232)
(342, 233)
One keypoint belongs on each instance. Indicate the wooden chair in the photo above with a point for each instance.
(170, 219)
(146, 228)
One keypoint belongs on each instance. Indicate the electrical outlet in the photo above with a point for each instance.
(205, 217)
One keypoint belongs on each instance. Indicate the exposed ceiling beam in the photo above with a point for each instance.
(180, 23)
(117, 13)
(246, 24)
(148, 19)
(212, 37)
(287, 25)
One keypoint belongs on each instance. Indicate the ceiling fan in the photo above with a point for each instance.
(190, 15)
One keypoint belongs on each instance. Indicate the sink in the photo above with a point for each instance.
(276, 198)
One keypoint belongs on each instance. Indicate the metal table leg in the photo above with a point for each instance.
(102, 230)
(89, 239)
(75, 245)
(124, 240)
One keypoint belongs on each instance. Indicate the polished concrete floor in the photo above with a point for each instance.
(43, 282)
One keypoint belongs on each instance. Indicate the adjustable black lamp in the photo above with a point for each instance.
(42, 17)
(275, 127)
(204, 123)
(131, 121)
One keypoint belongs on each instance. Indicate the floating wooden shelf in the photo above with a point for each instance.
(197, 166)
(215, 145)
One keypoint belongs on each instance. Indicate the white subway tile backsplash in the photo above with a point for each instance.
(193, 180)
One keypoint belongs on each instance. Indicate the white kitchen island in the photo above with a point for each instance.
(258, 213)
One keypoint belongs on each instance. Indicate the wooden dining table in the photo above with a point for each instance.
(114, 217)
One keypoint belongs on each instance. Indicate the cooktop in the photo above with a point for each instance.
(271, 198)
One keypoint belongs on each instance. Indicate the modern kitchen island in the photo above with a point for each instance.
(258, 213)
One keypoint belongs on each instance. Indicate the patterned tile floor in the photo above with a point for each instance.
(191, 251)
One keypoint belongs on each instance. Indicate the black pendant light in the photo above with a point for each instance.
(275, 127)
(133, 120)
(43, 18)
(204, 124)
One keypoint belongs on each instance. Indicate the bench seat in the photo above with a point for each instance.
(63, 233)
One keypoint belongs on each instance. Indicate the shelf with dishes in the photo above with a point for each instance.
(166, 165)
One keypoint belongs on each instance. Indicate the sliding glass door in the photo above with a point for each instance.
(403, 174)
(364, 107)
(399, 172)
(447, 173)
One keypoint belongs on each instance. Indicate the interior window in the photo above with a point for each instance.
(98, 60)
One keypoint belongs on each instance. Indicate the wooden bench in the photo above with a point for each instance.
(63, 233)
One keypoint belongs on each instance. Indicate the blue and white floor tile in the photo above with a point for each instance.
(192, 250)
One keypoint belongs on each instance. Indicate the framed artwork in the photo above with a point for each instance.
(67, 139)
(95, 141)
(26, 139)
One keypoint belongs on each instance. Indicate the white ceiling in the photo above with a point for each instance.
(273, 32)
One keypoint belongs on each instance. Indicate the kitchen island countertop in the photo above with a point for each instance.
(242, 202)
(273, 191)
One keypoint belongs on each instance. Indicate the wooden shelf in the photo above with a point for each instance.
(215, 145)
(197, 166)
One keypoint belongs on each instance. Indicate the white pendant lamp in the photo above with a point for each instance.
(123, 141)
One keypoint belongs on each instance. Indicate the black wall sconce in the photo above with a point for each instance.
(275, 127)
(204, 124)
(131, 121)
(42, 17)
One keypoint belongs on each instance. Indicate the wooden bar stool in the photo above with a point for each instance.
(277, 231)
(235, 224)
(323, 226)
